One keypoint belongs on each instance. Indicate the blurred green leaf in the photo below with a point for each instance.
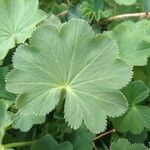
(143, 73)
(5, 117)
(137, 116)
(51, 19)
(59, 8)
(94, 9)
(48, 143)
(147, 5)
(123, 144)
(138, 138)
(82, 139)
(4, 94)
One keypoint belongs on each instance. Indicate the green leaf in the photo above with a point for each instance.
(137, 138)
(48, 143)
(133, 41)
(146, 5)
(143, 73)
(133, 138)
(17, 21)
(123, 144)
(137, 116)
(125, 9)
(84, 66)
(5, 119)
(5, 115)
(58, 8)
(3, 93)
(94, 9)
(125, 2)
(82, 139)
(1, 62)
(25, 122)
(51, 19)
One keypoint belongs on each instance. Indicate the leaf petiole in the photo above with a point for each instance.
(19, 144)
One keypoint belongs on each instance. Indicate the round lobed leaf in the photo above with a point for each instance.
(133, 41)
(137, 116)
(17, 21)
(124, 144)
(69, 59)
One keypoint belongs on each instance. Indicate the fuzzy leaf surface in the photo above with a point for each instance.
(133, 41)
(25, 122)
(17, 21)
(51, 19)
(69, 59)
(137, 116)
(123, 144)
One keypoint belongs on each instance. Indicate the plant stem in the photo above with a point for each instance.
(2, 133)
(104, 134)
(94, 146)
(125, 16)
(60, 106)
(19, 144)
(62, 13)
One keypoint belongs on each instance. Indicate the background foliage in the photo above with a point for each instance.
(73, 76)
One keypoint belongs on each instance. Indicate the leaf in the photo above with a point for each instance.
(82, 139)
(125, 2)
(146, 5)
(48, 143)
(137, 116)
(143, 73)
(125, 9)
(17, 21)
(94, 9)
(133, 41)
(1, 62)
(5, 119)
(59, 8)
(25, 122)
(84, 66)
(123, 144)
(51, 19)
(133, 138)
(75, 13)
(137, 138)
(5, 115)
(6, 100)
(3, 93)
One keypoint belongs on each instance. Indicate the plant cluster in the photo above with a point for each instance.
(74, 74)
